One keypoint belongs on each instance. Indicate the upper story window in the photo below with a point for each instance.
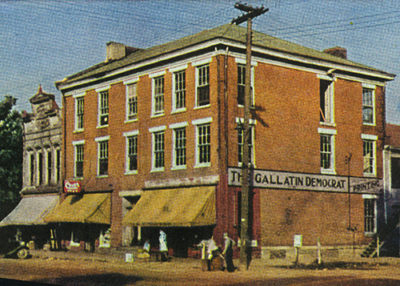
(179, 85)
(158, 96)
(40, 168)
(79, 158)
(58, 165)
(368, 105)
(203, 85)
(158, 148)
(49, 167)
(79, 112)
(102, 156)
(203, 141)
(131, 165)
(32, 169)
(326, 93)
(242, 85)
(131, 101)
(369, 154)
(249, 144)
(327, 150)
(103, 108)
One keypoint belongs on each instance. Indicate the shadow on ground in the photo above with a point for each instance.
(95, 279)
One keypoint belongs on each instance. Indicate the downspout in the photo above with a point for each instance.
(226, 134)
(63, 149)
(385, 187)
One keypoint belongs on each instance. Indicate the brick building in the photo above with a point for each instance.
(41, 169)
(153, 138)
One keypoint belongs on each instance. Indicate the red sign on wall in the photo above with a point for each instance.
(72, 187)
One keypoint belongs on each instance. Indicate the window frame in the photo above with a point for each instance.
(328, 105)
(128, 136)
(369, 139)
(79, 145)
(201, 123)
(177, 92)
(131, 116)
(241, 65)
(370, 214)
(371, 106)
(79, 116)
(202, 84)
(155, 132)
(239, 122)
(100, 141)
(103, 108)
(49, 166)
(176, 127)
(328, 133)
(155, 95)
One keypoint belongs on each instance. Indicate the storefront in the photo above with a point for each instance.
(187, 215)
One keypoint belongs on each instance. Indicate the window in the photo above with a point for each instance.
(132, 155)
(249, 144)
(103, 108)
(158, 151)
(32, 169)
(79, 157)
(58, 165)
(327, 150)
(368, 106)
(179, 99)
(158, 95)
(369, 157)
(203, 144)
(40, 168)
(102, 157)
(131, 101)
(242, 85)
(369, 215)
(203, 85)
(79, 111)
(179, 147)
(49, 167)
(326, 101)
(395, 172)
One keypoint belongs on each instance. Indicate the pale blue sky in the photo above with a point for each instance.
(44, 41)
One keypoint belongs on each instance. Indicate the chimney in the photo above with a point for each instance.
(337, 52)
(116, 51)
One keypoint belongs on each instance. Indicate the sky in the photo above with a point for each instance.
(42, 42)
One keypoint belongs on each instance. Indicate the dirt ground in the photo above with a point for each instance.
(98, 271)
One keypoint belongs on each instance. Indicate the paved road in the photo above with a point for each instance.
(95, 271)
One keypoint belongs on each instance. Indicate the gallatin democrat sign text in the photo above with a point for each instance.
(311, 182)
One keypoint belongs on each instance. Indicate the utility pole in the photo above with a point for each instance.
(245, 253)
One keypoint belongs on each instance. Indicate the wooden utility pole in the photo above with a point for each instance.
(245, 253)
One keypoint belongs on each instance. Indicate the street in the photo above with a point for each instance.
(97, 271)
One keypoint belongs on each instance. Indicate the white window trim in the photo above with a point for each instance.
(127, 135)
(76, 143)
(202, 62)
(197, 122)
(173, 71)
(332, 132)
(76, 98)
(372, 197)
(178, 68)
(154, 130)
(99, 90)
(252, 83)
(242, 61)
(197, 65)
(39, 171)
(100, 140)
(373, 88)
(127, 83)
(332, 98)
(177, 126)
(373, 138)
(252, 123)
(153, 102)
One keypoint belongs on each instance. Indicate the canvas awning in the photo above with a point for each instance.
(31, 210)
(87, 208)
(183, 207)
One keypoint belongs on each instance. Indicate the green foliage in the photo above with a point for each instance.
(11, 144)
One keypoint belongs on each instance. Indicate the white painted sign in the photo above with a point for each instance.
(310, 182)
(298, 240)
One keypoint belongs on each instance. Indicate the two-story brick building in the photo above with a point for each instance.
(153, 137)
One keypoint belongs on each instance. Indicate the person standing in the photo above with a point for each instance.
(163, 246)
(228, 252)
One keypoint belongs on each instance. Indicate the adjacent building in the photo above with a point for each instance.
(41, 169)
(153, 138)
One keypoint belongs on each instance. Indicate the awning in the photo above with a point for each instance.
(184, 207)
(31, 210)
(87, 208)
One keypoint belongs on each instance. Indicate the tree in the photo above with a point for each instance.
(11, 146)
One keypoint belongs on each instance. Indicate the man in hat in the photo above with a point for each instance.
(228, 252)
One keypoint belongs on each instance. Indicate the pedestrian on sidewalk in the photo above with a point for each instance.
(228, 252)
(163, 246)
